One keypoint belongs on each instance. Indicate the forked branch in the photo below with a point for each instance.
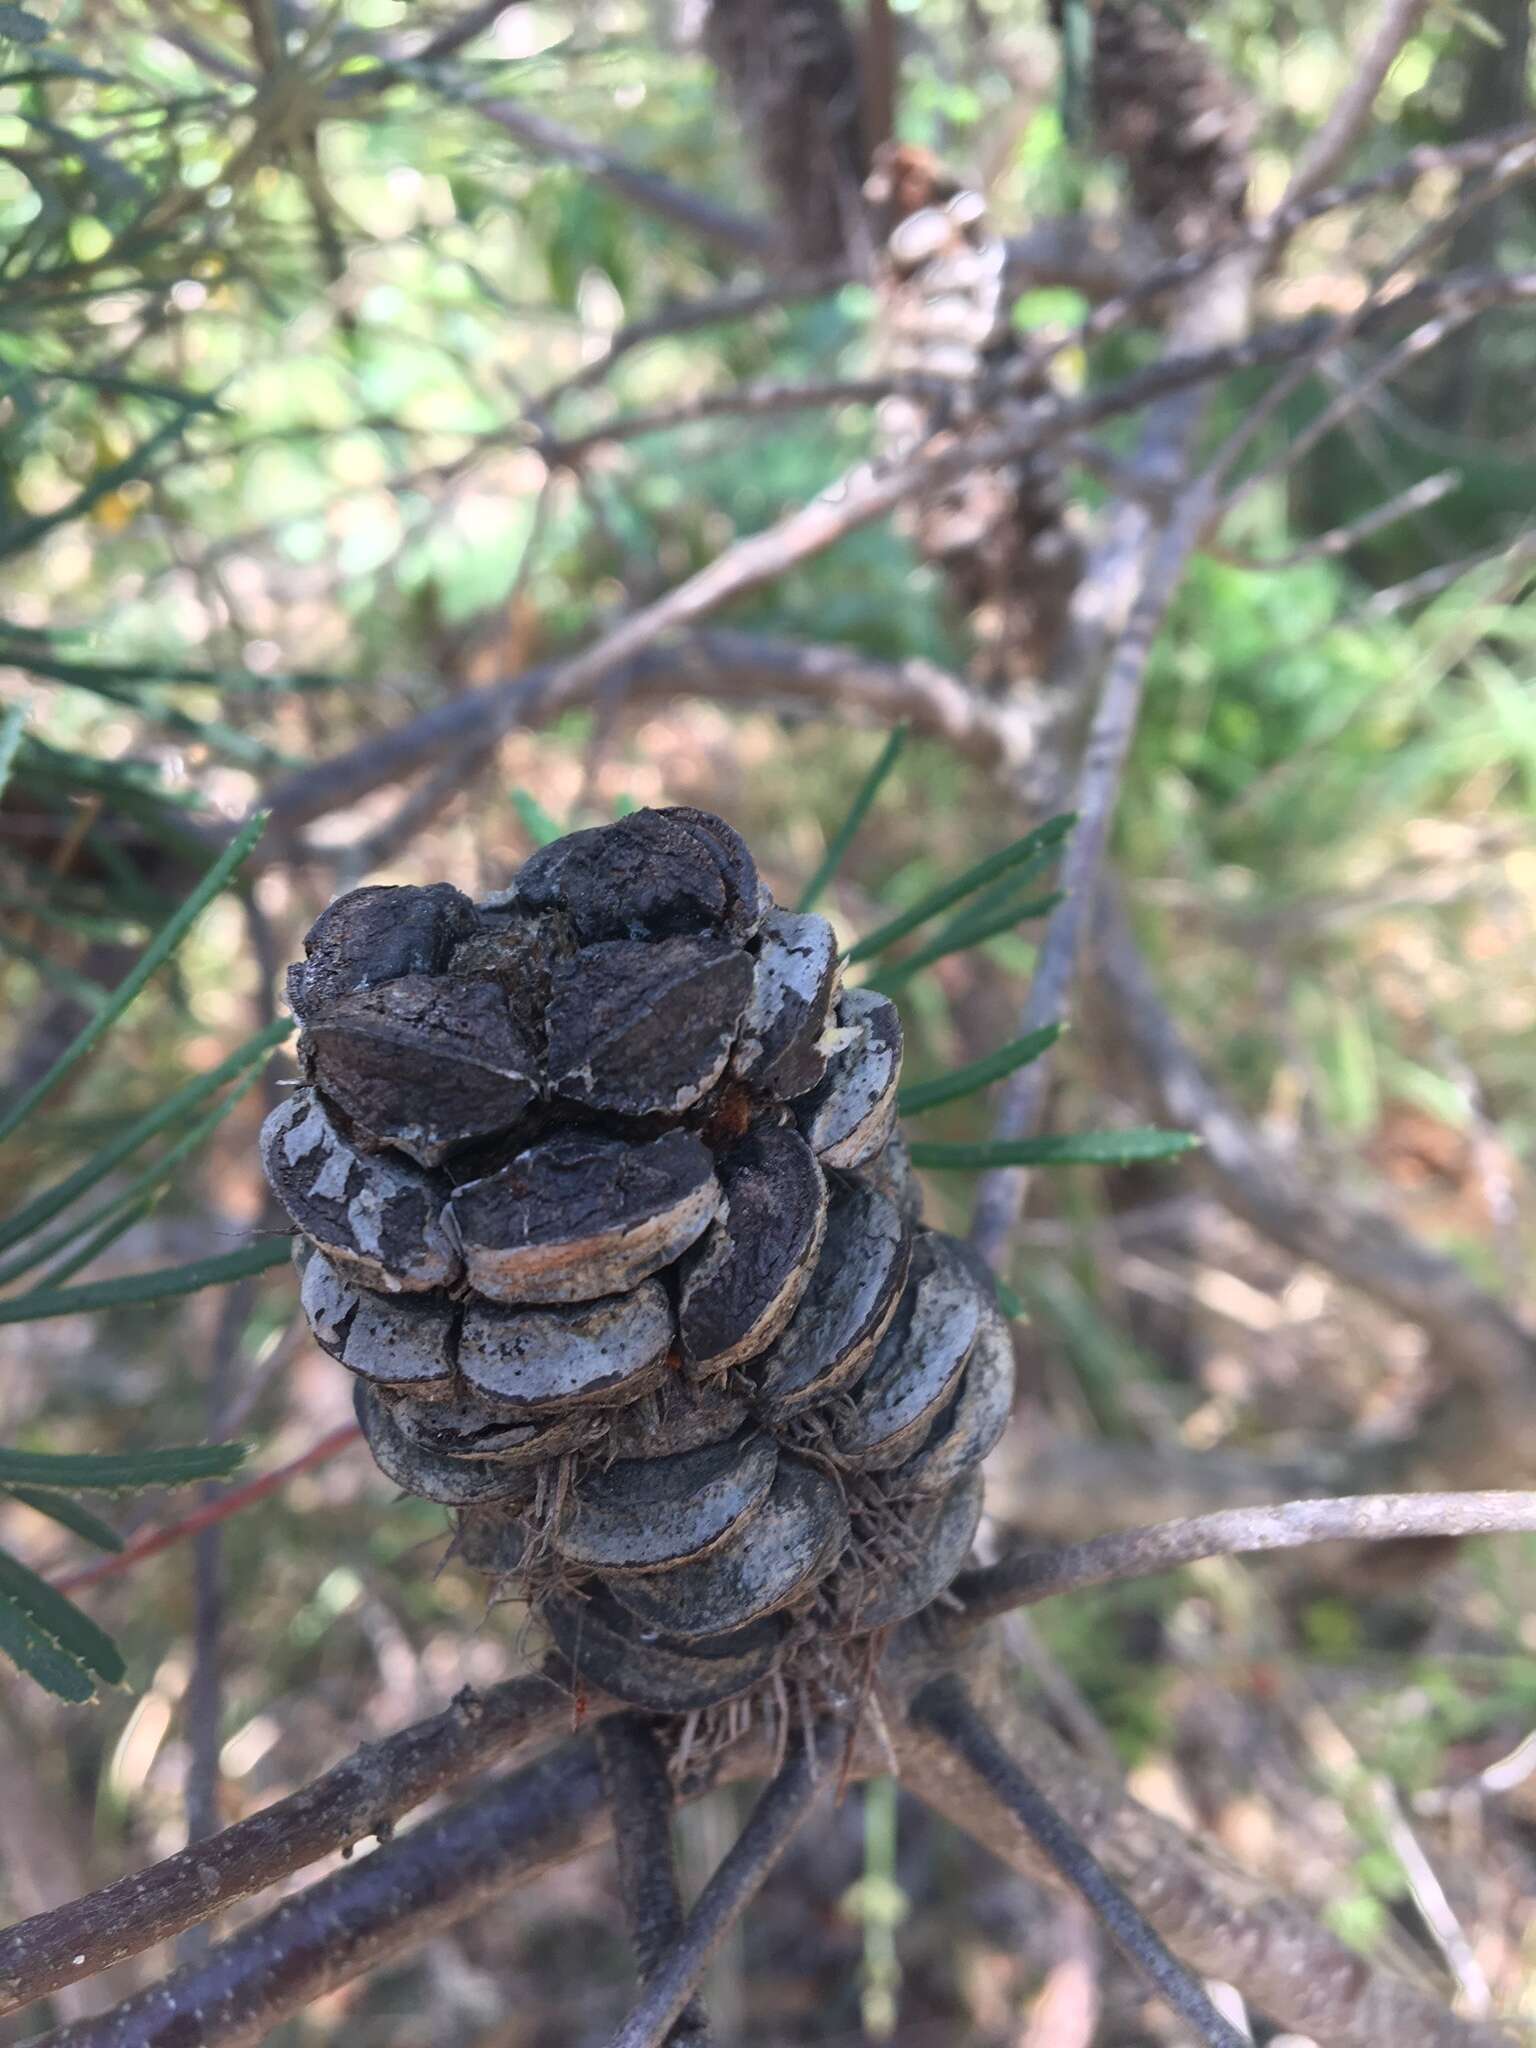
(947, 1709)
(360, 1797)
(640, 1793)
(776, 1819)
(395, 1898)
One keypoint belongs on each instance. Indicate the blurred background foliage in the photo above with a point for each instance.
(290, 297)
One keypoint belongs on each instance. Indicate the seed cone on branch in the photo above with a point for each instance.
(1163, 106)
(792, 71)
(1001, 536)
(598, 1196)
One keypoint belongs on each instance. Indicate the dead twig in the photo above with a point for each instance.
(1221, 1923)
(1473, 1331)
(948, 1710)
(362, 1796)
(234, 1501)
(776, 1819)
(640, 1794)
(1350, 113)
(508, 1833)
(1034, 1575)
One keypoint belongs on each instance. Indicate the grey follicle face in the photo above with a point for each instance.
(376, 1216)
(919, 1363)
(741, 1284)
(779, 1556)
(970, 1427)
(401, 1343)
(598, 1640)
(844, 1311)
(645, 1029)
(851, 1115)
(537, 1361)
(649, 1514)
(794, 985)
(427, 1064)
(433, 1475)
(598, 1196)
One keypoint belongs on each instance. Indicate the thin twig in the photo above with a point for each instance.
(947, 1709)
(1000, 1197)
(204, 1705)
(361, 1796)
(640, 1795)
(233, 1502)
(777, 1817)
(1035, 1575)
(1055, 417)
(1471, 1329)
(1341, 540)
(731, 667)
(648, 190)
(841, 510)
(406, 1890)
(1223, 1923)
(1350, 113)
(687, 316)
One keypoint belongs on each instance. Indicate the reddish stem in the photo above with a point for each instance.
(232, 1503)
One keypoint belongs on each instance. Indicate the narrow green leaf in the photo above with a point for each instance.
(10, 740)
(132, 675)
(15, 540)
(925, 1095)
(119, 1471)
(134, 1289)
(40, 1657)
(962, 934)
(154, 956)
(109, 1220)
(46, 1205)
(90, 995)
(536, 821)
(1067, 1148)
(1010, 1304)
(120, 1217)
(858, 811)
(75, 1633)
(69, 1514)
(1045, 839)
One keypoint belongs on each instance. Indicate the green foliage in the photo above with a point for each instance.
(1064, 1148)
(858, 811)
(44, 1634)
(135, 1290)
(126, 1472)
(1019, 862)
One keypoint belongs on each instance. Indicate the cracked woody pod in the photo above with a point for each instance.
(598, 1197)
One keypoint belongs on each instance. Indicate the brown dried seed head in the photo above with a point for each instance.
(425, 1064)
(653, 875)
(375, 935)
(642, 1029)
(583, 1215)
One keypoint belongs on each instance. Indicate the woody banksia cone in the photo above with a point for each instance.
(598, 1196)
